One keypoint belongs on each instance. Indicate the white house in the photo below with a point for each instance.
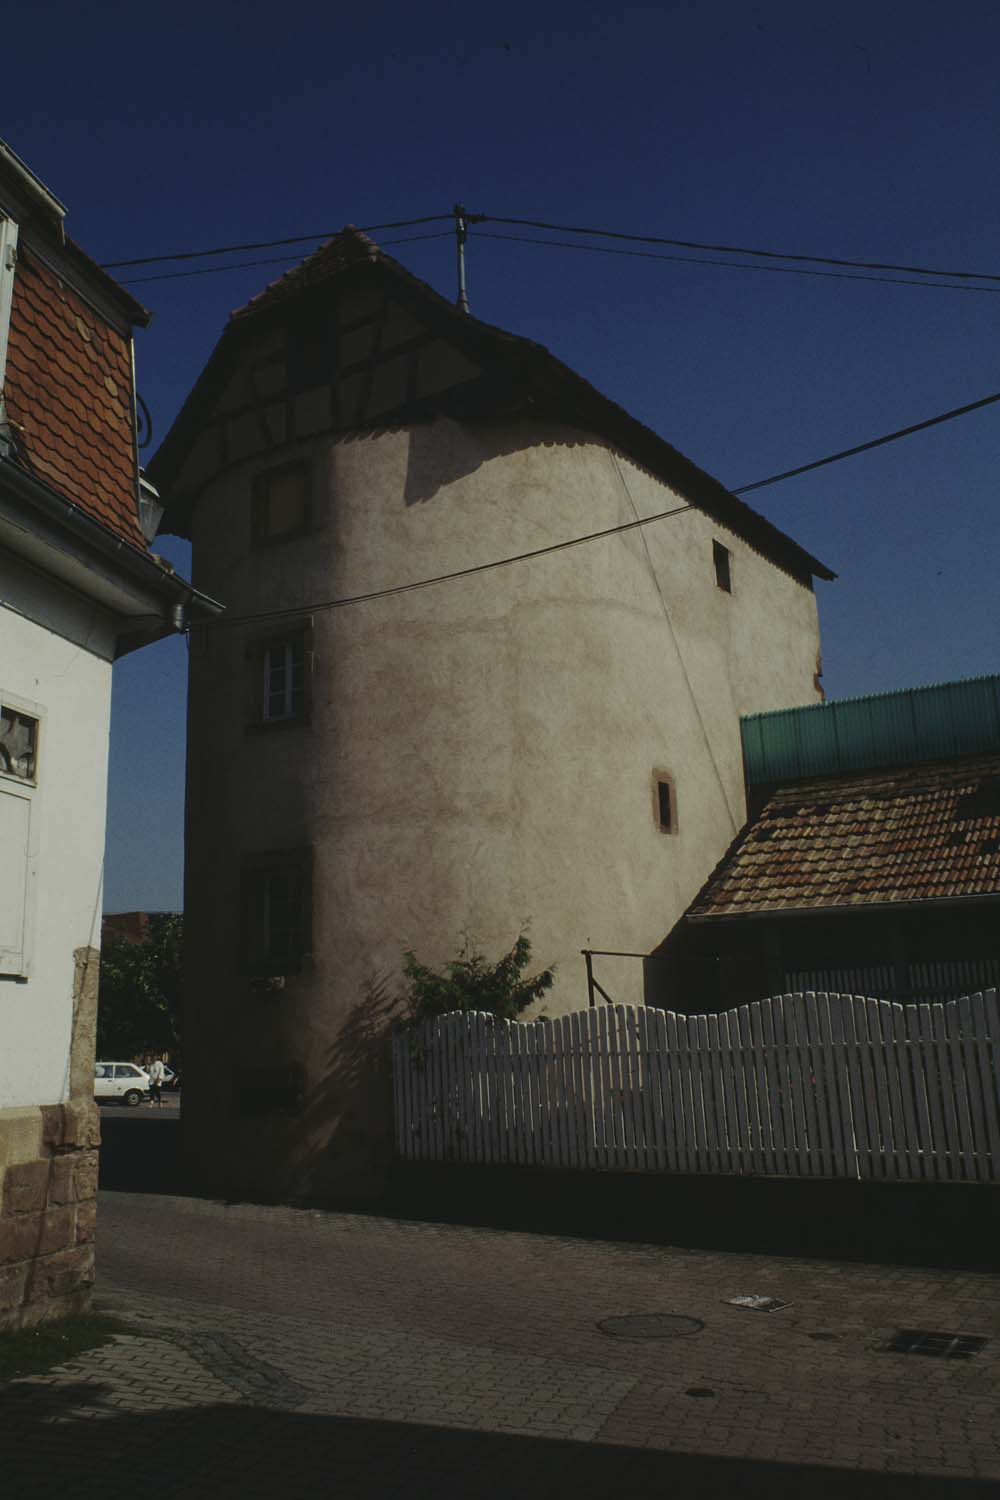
(78, 588)
(372, 766)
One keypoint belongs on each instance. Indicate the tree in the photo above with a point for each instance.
(139, 1001)
(471, 982)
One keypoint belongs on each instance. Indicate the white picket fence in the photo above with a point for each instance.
(798, 1085)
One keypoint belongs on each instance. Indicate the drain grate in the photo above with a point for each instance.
(939, 1345)
(757, 1303)
(650, 1326)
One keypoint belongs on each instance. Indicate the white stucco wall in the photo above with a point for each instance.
(480, 752)
(55, 660)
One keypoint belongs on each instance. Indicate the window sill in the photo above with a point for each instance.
(265, 726)
(27, 784)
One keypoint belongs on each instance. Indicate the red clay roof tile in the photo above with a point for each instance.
(917, 833)
(72, 431)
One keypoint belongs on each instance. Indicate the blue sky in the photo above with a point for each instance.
(863, 131)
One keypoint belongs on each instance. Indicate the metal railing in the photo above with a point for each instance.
(594, 987)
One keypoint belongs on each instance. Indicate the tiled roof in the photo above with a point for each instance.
(531, 379)
(68, 394)
(919, 833)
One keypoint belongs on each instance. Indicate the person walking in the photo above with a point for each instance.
(156, 1077)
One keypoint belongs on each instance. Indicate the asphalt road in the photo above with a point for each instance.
(114, 1111)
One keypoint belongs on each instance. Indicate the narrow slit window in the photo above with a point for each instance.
(723, 566)
(664, 804)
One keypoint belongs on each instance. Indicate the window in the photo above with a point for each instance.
(265, 1091)
(723, 569)
(279, 670)
(312, 350)
(18, 743)
(275, 917)
(664, 802)
(284, 679)
(281, 507)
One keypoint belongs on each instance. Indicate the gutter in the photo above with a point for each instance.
(184, 599)
(35, 188)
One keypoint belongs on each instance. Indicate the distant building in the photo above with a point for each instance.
(78, 588)
(556, 740)
(133, 926)
(870, 864)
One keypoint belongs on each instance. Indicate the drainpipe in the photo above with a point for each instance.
(8, 260)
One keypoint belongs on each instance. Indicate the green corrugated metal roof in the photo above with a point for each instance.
(883, 729)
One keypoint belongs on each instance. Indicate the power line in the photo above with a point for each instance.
(879, 442)
(730, 265)
(524, 239)
(593, 536)
(655, 239)
(616, 234)
(426, 583)
(294, 239)
(275, 260)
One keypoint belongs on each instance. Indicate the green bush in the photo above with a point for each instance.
(471, 982)
(138, 1006)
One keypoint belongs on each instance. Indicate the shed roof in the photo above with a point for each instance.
(917, 833)
(522, 376)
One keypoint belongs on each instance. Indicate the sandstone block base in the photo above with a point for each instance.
(48, 1186)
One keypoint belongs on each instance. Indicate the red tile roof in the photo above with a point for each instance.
(919, 833)
(68, 394)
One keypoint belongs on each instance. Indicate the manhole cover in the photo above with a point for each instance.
(650, 1326)
(943, 1345)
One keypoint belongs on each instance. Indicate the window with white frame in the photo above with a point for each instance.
(284, 679)
(18, 743)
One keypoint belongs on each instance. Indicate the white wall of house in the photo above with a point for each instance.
(55, 663)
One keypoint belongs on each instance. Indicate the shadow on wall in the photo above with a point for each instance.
(49, 1441)
(443, 451)
(332, 1144)
(342, 1138)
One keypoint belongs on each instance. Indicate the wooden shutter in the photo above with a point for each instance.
(15, 829)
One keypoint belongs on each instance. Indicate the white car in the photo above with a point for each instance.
(118, 1080)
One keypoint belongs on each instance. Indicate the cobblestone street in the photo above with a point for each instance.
(287, 1352)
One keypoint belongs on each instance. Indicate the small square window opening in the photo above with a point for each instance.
(723, 567)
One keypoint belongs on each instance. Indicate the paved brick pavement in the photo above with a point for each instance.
(286, 1352)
